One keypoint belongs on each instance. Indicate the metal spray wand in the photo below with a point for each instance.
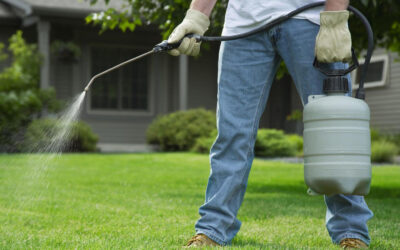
(163, 46)
(116, 67)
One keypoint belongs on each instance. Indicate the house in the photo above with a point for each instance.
(121, 105)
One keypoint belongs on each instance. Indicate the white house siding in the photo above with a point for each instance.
(384, 101)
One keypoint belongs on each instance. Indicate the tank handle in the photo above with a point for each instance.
(337, 72)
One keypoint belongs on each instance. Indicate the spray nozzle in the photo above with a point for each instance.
(165, 46)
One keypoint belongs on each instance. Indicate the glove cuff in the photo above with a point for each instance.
(333, 18)
(199, 19)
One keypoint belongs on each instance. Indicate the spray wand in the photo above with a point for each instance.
(165, 46)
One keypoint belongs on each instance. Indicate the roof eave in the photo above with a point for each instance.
(71, 13)
(21, 8)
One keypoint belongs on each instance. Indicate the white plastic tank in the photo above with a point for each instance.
(337, 145)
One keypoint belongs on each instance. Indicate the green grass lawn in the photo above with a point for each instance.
(151, 201)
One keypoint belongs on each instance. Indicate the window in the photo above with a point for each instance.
(376, 74)
(126, 88)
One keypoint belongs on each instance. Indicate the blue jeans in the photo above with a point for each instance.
(246, 71)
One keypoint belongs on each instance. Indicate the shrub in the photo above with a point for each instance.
(179, 131)
(383, 151)
(21, 99)
(42, 133)
(395, 138)
(272, 142)
(375, 135)
(297, 140)
(203, 144)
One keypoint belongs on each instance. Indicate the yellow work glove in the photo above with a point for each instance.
(195, 22)
(333, 42)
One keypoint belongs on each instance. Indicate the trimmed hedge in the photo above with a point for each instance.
(179, 131)
(273, 143)
(41, 134)
(376, 135)
(269, 143)
(384, 147)
(395, 139)
(298, 141)
(383, 151)
(203, 144)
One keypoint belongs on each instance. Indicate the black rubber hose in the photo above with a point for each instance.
(265, 27)
(360, 92)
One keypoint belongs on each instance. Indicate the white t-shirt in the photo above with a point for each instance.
(245, 15)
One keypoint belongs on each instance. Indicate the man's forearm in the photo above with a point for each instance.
(334, 5)
(204, 6)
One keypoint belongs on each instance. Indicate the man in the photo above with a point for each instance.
(247, 68)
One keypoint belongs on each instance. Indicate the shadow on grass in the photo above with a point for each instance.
(269, 188)
(250, 243)
(269, 201)
(376, 192)
(384, 193)
(288, 206)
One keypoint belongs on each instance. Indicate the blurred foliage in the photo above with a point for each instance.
(384, 146)
(274, 143)
(395, 138)
(269, 143)
(41, 133)
(21, 100)
(298, 141)
(379, 136)
(384, 17)
(203, 144)
(165, 14)
(178, 131)
(296, 115)
(383, 151)
(66, 51)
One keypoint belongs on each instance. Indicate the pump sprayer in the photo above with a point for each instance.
(337, 147)
(336, 134)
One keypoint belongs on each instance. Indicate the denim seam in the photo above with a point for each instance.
(249, 144)
(352, 236)
(210, 233)
(212, 236)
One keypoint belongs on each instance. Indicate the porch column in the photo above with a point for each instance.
(183, 82)
(43, 29)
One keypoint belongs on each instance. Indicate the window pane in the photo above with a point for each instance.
(134, 84)
(125, 88)
(374, 73)
(104, 91)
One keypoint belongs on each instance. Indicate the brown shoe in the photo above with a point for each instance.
(200, 240)
(350, 243)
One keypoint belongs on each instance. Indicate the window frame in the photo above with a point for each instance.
(385, 72)
(150, 85)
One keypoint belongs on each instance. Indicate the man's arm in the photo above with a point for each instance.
(334, 5)
(204, 6)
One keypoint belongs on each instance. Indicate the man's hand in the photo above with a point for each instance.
(194, 22)
(333, 43)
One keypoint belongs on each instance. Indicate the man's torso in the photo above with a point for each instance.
(242, 16)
